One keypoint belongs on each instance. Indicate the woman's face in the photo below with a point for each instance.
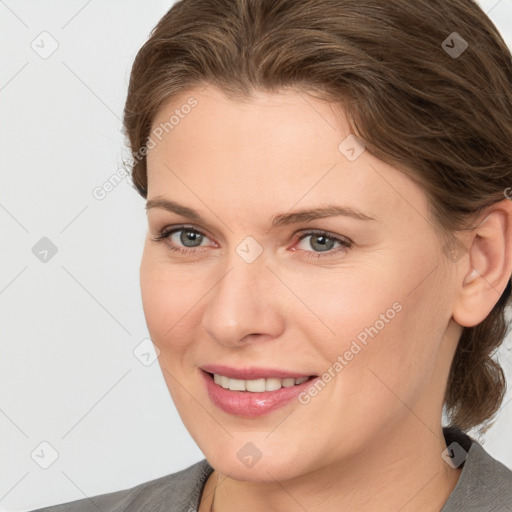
(254, 288)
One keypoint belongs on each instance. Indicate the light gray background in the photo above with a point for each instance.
(69, 376)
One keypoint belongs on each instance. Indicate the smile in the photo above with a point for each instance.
(255, 395)
(256, 385)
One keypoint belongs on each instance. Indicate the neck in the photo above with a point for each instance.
(400, 471)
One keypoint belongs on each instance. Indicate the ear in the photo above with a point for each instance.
(485, 275)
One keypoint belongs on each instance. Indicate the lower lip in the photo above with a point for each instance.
(248, 404)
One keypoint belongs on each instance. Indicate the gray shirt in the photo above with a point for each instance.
(485, 485)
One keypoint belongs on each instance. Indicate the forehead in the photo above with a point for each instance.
(273, 150)
(284, 117)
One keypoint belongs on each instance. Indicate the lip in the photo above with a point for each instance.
(252, 405)
(252, 372)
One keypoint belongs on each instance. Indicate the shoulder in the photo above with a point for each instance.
(178, 492)
(485, 484)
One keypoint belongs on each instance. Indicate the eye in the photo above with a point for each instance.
(184, 239)
(323, 242)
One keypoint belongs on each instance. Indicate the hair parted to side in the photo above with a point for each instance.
(445, 121)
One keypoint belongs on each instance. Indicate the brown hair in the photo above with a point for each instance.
(443, 118)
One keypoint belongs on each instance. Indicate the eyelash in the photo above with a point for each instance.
(345, 243)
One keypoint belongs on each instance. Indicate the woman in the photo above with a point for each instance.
(329, 251)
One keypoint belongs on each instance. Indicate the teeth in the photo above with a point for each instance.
(236, 384)
(256, 385)
(288, 383)
(273, 384)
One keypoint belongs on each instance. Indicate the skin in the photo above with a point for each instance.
(371, 440)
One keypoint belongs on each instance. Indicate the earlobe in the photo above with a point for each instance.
(486, 274)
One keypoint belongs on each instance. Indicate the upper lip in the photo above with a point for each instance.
(252, 373)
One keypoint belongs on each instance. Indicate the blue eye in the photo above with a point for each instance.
(191, 238)
(323, 242)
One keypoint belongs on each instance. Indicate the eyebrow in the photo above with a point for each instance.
(306, 215)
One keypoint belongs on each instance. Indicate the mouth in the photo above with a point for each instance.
(255, 396)
(257, 385)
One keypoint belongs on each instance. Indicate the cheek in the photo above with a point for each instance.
(171, 301)
(398, 361)
(382, 332)
(346, 306)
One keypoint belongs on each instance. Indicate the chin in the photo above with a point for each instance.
(248, 456)
(265, 470)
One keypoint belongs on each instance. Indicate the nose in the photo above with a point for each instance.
(244, 304)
